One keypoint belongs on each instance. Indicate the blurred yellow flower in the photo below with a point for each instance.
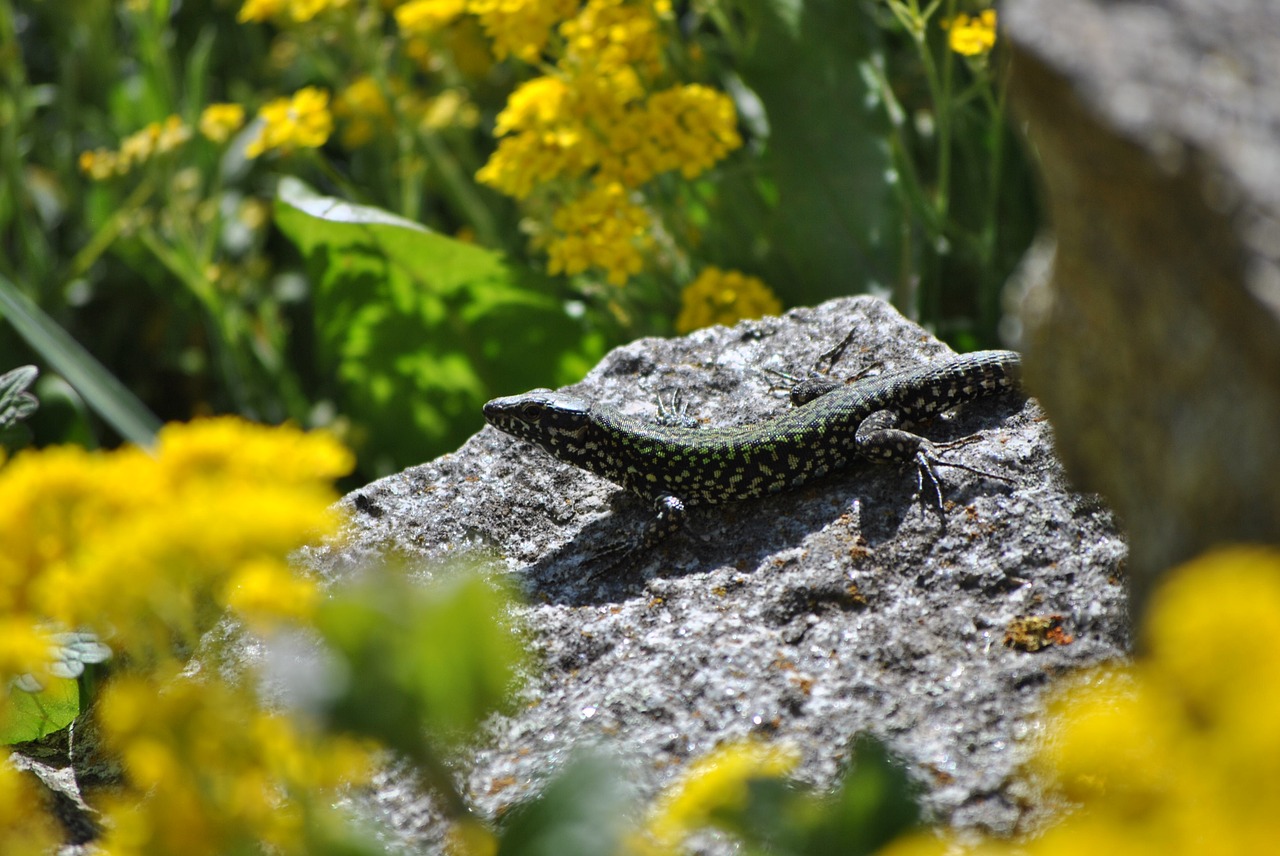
(219, 121)
(364, 112)
(260, 10)
(716, 781)
(302, 121)
(141, 547)
(451, 108)
(266, 591)
(24, 647)
(99, 164)
(724, 297)
(25, 826)
(302, 11)
(419, 17)
(972, 36)
(170, 134)
(299, 11)
(207, 771)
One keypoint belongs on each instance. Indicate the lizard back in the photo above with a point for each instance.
(711, 465)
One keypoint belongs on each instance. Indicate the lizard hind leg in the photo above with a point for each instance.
(880, 440)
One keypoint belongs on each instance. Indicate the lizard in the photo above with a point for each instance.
(675, 467)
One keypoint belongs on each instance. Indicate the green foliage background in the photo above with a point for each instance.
(875, 159)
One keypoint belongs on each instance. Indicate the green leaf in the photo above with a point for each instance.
(441, 657)
(421, 329)
(834, 228)
(583, 811)
(102, 390)
(874, 804)
(28, 716)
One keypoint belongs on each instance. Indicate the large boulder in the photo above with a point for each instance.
(1154, 341)
(852, 605)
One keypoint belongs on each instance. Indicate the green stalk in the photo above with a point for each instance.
(100, 389)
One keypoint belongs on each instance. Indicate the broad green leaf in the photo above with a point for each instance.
(421, 329)
(440, 657)
(28, 716)
(834, 228)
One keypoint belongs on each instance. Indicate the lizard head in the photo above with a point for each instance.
(552, 420)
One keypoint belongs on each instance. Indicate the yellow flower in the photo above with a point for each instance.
(170, 134)
(545, 138)
(972, 36)
(207, 770)
(302, 11)
(520, 28)
(302, 121)
(603, 229)
(712, 783)
(25, 826)
(450, 109)
(138, 146)
(724, 297)
(593, 119)
(268, 590)
(419, 17)
(364, 111)
(24, 648)
(219, 121)
(140, 547)
(260, 10)
(608, 35)
(99, 164)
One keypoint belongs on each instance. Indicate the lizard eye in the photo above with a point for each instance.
(530, 411)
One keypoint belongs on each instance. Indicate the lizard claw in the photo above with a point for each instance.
(926, 461)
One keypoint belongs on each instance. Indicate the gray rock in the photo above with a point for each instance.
(1155, 343)
(848, 606)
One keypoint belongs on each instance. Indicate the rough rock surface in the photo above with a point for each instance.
(847, 606)
(1155, 340)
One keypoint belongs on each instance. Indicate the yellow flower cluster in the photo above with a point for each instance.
(217, 123)
(614, 38)
(422, 17)
(363, 110)
(1180, 753)
(295, 11)
(302, 121)
(595, 121)
(144, 549)
(25, 827)
(724, 297)
(520, 28)
(602, 228)
(713, 783)
(137, 148)
(972, 36)
(365, 113)
(207, 771)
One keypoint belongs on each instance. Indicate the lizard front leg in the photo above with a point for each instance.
(670, 519)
